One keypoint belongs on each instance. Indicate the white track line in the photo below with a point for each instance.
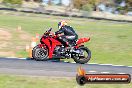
(11, 57)
(105, 72)
(72, 62)
(17, 58)
(129, 66)
(105, 64)
(92, 63)
(121, 73)
(92, 71)
(110, 65)
(118, 65)
(23, 58)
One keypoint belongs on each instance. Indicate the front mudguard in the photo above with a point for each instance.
(41, 45)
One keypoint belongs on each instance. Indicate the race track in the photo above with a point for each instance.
(49, 68)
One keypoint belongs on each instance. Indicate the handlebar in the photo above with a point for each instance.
(48, 33)
(49, 29)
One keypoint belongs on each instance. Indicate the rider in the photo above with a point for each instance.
(69, 33)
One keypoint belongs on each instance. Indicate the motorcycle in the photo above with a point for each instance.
(50, 47)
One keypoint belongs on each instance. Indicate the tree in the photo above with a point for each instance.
(60, 2)
(13, 1)
(87, 7)
(77, 4)
(80, 3)
(50, 2)
(37, 0)
(94, 3)
(118, 1)
(126, 8)
(128, 4)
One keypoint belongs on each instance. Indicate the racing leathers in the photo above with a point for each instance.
(69, 35)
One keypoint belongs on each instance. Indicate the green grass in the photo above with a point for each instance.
(11, 81)
(111, 42)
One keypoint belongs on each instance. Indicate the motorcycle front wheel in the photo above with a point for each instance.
(84, 56)
(40, 54)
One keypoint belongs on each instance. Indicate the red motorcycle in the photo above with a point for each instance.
(50, 47)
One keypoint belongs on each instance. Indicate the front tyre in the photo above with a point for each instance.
(84, 55)
(40, 54)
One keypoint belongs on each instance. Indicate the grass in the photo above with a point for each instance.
(11, 81)
(110, 41)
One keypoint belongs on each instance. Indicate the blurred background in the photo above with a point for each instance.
(82, 8)
(107, 22)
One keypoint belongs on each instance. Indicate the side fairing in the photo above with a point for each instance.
(51, 43)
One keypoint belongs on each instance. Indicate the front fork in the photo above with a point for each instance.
(42, 45)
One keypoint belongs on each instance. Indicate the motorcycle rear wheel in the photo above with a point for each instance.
(84, 59)
(40, 54)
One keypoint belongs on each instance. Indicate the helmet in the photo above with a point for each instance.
(61, 24)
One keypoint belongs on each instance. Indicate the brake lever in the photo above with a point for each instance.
(49, 29)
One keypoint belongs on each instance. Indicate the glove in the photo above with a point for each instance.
(53, 34)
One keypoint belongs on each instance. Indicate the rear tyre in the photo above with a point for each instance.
(85, 58)
(40, 54)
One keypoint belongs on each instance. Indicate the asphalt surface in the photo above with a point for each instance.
(50, 68)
